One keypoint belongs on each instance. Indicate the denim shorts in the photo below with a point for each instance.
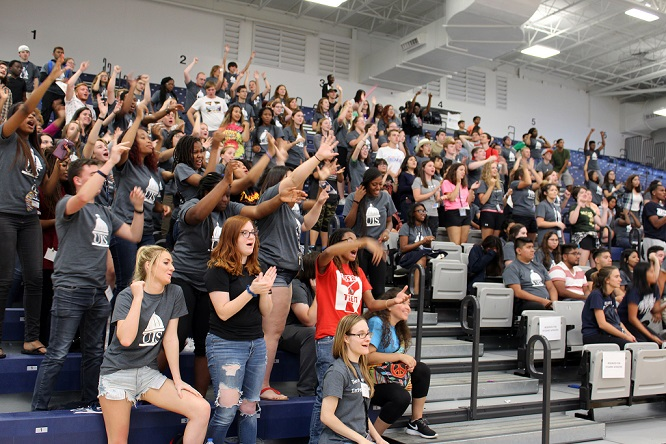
(130, 384)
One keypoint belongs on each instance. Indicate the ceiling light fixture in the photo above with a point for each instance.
(641, 15)
(543, 52)
(332, 3)
(661, 112)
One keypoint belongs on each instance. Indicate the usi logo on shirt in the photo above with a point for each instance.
(152, 335)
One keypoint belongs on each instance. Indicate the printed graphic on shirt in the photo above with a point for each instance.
(530, 194)
(152, 335)
(216, 236)
(100, 233)
(213, 107)
(38, 166)
(263, 139)
(661, 212)
(536, 279)
(152, 190)
(349, 292)
(372, 217)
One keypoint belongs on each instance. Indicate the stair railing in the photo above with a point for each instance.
(545, 377)
(420, 292)
(475, 331)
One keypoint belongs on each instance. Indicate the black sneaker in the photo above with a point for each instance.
(420, 428)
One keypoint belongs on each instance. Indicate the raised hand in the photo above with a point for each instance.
(137, 287)
(226, 48)
(292, 195)
(360, 193)
(402, 297)
(137, 197)
(195, 60)
(325, 151)
(375, 248)
(84, 66)
(323, 196)
(117, 69)
(117, 151)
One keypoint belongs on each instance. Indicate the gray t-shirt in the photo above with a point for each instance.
(296, 155)
(473, 175)
(430, 203)
(550, 213)
(544, 167)
(195, 242)
(357, 169)
(127, 177)
(495, 201)
(182, 172)
(510, 155)
(280, 235)
(377, 210)
(531, 277)
(414, 234)
(352, 408)
(192, 93)
(597, 192)
(509, 250)
(340, 131)
(83, 243)
(247, 109)
(156, 312)
(260, 137)
(20, 194)
(593, 164)
(523, 200)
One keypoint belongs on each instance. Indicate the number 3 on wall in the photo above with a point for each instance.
(183, 59)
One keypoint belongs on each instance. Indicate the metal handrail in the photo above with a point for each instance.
(421, 305)
(600, 233)
(544, 376)
(475, 331)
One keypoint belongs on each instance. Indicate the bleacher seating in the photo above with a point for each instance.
(449, 279)
(496, 302)
(571, 311)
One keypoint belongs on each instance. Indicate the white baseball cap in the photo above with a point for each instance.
(23, 48)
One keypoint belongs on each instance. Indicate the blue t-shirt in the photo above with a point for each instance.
(375, 324)
(597, 301)
(645, 303)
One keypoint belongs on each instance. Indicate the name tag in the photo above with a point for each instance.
(462, 211)
(50, 254)
(365, 390)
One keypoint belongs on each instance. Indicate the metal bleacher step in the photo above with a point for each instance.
(452, 386)
(437, 348)
(513, 430)
(428, 318)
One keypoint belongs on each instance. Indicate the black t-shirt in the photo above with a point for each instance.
(17, 86)
(244, 325)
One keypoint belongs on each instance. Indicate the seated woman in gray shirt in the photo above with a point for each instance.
(347, 387)
(146, 316)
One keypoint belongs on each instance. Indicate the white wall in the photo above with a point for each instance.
(148, 37)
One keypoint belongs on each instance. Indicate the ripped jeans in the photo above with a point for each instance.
(239, 366)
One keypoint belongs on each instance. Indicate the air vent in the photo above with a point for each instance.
(413, 43)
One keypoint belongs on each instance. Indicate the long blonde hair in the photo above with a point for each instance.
(340, 349)
(147, 255)
(486, 175)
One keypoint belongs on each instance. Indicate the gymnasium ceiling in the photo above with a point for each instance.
(608, 52)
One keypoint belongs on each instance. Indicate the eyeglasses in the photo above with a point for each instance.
(363, 335)
(420, 211)
(246, 234)
(575, 253)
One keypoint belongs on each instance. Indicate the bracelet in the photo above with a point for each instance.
(139, 212)
(315, 156)
(250, 292)
(357, 202)
(101, 173)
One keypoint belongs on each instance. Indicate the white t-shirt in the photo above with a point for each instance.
(212, 111)
(71, 106)
(393, 157)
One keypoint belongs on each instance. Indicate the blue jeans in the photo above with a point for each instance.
(74, 307)
(124, 259)
(238, 365)
(325, 359)
(22, 237)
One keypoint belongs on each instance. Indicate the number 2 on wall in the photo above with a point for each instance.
(183, 59)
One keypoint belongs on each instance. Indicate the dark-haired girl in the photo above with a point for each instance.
(23, 170)
(415, 238)
(642, 302)
(165, 92)
(427, 191)
(341, 287)
(266, 126)
(548, 253)
(389, 342)
(295, 141)
(368, 212)
(405, 195)
(485, 260)
(280, 235)
(137, 168)
(600, 321)
(236, 129)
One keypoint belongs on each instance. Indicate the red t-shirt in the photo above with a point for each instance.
(338, 294)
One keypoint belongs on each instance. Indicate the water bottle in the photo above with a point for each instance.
(209, 441)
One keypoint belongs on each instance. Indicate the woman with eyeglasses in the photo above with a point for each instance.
(415, 239)
(341, 287)
(241, 296)
(348, 387)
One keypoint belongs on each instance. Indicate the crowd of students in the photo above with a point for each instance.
(99, 171)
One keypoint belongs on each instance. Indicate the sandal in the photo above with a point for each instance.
(276, 393)
(39, 351)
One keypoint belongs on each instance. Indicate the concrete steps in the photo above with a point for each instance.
(448, 387)
(515, 430)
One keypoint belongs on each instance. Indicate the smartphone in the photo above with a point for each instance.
(327, 187)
